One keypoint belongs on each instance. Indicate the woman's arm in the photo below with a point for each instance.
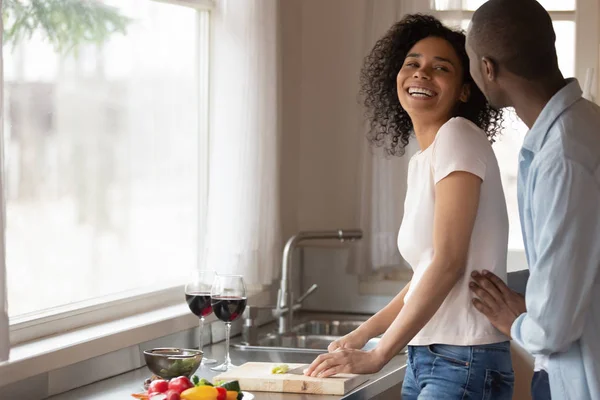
(374, 326)
(380, 322)
(456, 204)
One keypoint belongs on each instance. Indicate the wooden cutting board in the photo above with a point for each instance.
(257, 376)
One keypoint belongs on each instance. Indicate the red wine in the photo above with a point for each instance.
(228, 308)
(199, 303)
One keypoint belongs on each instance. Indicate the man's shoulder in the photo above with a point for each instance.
(554, 167)
(573, 139)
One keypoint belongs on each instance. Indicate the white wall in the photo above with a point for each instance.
(322, 133)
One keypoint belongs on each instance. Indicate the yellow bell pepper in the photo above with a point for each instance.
(232, 395)
(200, 393)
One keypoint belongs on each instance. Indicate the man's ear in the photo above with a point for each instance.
(465, 93)
(490, 70)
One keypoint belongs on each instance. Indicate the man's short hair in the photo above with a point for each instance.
(517, 35)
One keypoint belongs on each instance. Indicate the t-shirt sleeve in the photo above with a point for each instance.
(460, 146)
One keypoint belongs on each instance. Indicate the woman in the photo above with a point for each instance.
(416, 80)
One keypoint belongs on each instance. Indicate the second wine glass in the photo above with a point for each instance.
(228, 299)
(197, 296)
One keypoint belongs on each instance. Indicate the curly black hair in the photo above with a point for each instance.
(390, 124)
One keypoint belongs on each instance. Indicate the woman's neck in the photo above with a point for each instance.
(425, 132)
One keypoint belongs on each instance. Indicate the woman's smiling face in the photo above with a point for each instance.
(430, 82)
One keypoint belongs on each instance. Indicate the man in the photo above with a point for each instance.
(513, 60)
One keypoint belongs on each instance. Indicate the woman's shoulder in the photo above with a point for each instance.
(460, 132)
(460, 125)
(461, 139)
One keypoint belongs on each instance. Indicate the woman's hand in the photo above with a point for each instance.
(354, 340)
(348, 361)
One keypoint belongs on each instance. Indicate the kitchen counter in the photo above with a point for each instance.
(122, 386)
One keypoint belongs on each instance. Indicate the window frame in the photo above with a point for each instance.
(28, 327)
(468, 14)
(200, 5)
(587, 54)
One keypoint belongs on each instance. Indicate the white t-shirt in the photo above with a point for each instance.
(458, 146)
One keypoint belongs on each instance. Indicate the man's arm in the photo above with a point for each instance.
(566, 221)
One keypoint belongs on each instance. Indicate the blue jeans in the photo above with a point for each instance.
(440, 371)
(540, 386)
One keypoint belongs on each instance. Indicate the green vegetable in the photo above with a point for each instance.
(179, 367)
(280, 369)
(231, 386)
(204, 382)
(195, 380)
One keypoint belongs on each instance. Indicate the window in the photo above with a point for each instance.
(570, 55)
(104, 159)
(472, 5)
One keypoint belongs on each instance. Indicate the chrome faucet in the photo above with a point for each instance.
(285, 299)
(284, 310)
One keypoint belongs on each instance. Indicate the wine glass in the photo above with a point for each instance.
(228, 299)
(197, 296)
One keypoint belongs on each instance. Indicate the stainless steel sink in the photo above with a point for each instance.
(327, 328)
(312, 336)
(297, 343)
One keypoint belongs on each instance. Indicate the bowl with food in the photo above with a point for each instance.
(171, 362)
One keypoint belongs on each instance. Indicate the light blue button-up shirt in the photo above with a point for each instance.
(559, 205)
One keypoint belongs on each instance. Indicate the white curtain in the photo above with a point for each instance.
(382, 178)
(4, 340)
(454, 14)
(243, 232)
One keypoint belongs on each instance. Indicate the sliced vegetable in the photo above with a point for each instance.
(200, 393)
(204, 382)
(222, 393)
(232, 395)
(158, 386)
(231, 386)
(173, 395)
(180, 384)
(182, 388)
(280, 369)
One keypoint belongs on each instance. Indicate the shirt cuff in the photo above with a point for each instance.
(515, 330)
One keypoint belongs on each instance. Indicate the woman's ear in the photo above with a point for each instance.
(465, 93)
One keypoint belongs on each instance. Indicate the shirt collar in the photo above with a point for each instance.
(563, 99)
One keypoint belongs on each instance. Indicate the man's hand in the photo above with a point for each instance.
(496, 301)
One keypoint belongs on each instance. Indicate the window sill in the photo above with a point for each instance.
(92, 312)
(51, 353)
